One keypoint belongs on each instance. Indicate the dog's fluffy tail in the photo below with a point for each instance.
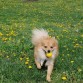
(38, 35)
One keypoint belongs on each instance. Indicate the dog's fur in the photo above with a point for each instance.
(43, 44)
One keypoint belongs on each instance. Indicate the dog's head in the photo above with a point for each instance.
(49, 44)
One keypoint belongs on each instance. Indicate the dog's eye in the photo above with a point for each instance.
(51, 47)
(45, 46)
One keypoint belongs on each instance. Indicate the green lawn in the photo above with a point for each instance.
(61, 18)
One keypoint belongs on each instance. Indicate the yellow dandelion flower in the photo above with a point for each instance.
(72, 61)
(82, 35)
(50, 36)
(62, 59)
(7, 34)
(27, 59)
(30, 67)
(64, 78)
(26, 63)
(7, 56)
(65, 30)
(76, 45)
(1, 34)
(4, 39)
(79, 70)
(73, 50)
(12, 33)
(21, 58)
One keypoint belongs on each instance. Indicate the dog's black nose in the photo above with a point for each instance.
(48, 51)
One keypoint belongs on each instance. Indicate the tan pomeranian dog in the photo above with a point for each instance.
(43, 45)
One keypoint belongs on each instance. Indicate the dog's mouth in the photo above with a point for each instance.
(48, 53)
(44, 51)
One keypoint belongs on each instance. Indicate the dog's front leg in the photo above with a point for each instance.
(38, 64)
(49, 71)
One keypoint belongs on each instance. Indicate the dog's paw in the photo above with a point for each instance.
(39, 66)
(48, 79)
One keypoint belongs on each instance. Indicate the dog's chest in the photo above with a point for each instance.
(41, 54)
(42, 57)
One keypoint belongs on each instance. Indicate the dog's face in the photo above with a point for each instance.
(49, 44)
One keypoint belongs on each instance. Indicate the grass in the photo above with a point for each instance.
(63, 19)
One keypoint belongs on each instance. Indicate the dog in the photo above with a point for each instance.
(44, 44)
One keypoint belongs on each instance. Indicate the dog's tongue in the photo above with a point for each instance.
(49, 54)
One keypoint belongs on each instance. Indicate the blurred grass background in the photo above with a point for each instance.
(62, 19)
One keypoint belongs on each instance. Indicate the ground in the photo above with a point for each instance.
(63, 19)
